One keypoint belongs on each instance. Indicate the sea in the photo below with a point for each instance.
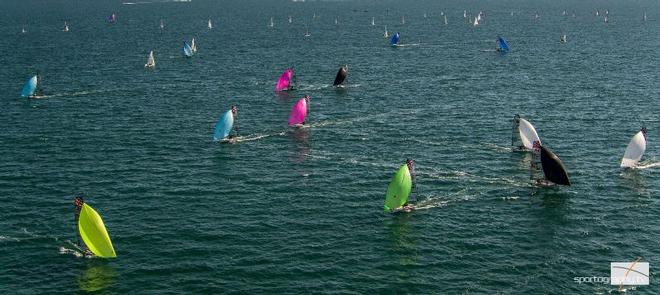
(300, 210)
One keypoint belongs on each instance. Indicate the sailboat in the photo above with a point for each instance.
(187, 50)
(445, 19)
(395, 40)
(209, 24)
(403, 19)
(151, 62)
(644, 16)
(464, 13)
(299, 112)
(307, 34)
(162, 25)
(563, 39)
(502, 46)
(271, 23)
(635, 150)
(336, 20)
(476, 21)
(605, 18)
(23, 31)
(193, 46)
(424, 14)
(223, 126)
(373, 21)
(285, 81)
(66, 27)
(386, 34)
(398, 191)
(341, 76)
(554, 171)
(523, 135)
(112, 18)
(30, 87)
(94, 234)
(290, 19)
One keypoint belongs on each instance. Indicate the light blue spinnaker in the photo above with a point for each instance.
(223, 127)
(187, 50)
(395, 39)
(502, 46)
(30, 87)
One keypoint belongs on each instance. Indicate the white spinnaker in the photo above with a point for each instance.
(634, 151)
(528, 134)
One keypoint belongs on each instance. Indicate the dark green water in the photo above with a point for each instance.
(301, 211)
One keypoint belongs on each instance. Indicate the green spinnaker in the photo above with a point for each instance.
(399, 189)
(93, 233)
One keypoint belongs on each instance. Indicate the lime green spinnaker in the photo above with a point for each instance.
(399, 189)
(93, 233)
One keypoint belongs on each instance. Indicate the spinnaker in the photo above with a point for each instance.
(223, 126)
(502, 46)
(284, 82)
(93, 233)
(553, 168)
(395, 39)
(635, 150)
(187, 50)
(399, 189)
(341, 75)
(30, 87)
(299, 112)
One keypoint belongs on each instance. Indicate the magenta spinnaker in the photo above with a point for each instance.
(285, 80)
(298, 112)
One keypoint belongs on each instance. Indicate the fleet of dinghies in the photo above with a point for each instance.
(546, 168)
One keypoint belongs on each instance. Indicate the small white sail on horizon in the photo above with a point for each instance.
(373, 21)
(271, 23)
(162, 25)
(634, 151)
(23, 31)
(193, 45)
(445, 19)
(644, 15)
(66, 27)
(386, 34)
(151, 62)
(476, 21)
(307, 34)
(209, 24)
(290, 19)
(403, 20)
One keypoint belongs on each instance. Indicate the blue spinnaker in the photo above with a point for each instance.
(30, 87)
(502, 45)
(395, 39)
(187, 50)
(224, 125)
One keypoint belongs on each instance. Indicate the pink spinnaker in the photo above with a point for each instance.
(285, 80)
(298, 112)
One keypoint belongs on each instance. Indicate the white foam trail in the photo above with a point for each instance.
(657, 164)
(73, 252)
(257, 136)
(7, 238)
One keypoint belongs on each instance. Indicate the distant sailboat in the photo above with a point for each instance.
(193, 45)
(224, 125)
(307, 34)
(299, 112)
(151, 62)
(336, 20)
(605, 18)
(66, 27)
(398, 191)
(386, 34)
(30, 87)
(285, 81)
(502, 46)
(597, 13)
(395, 40)
(209, 24)
(523, 135)
(635, 150)
(290, 19)
(644, 16)
(464, 13)
(563, 39)
(476, 21)
(341, 76)
(23, 31)
(373, 21)
(162, 25)
(445, 19)
(187, 50)
(554, 171)
(403, 19)
(271, 23)
(112, 18)
(94, 234)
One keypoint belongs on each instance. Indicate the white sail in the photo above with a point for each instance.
(162, 25)
(66, 27)
(634, 151)
(210, 24)
(386, 34)
(271, 23)
(151, 62)
(527, 134)
(403, 20)
(373, 21)
(476, 21)
(193, 45)
(445, 19)
(290, 19)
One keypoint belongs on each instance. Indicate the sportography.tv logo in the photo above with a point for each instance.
(629, 273)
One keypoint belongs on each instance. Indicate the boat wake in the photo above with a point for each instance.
(646, 166)
(257, 136)
(430, 203)
(75, 252)
(409, 44)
